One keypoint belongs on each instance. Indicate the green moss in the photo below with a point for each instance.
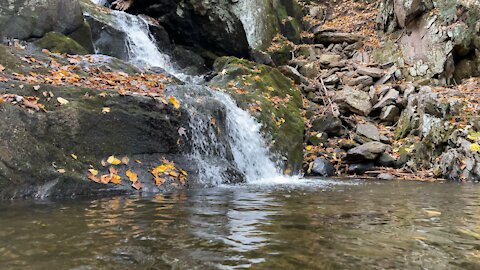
(83, 35)
(59, 43)
(272, 99)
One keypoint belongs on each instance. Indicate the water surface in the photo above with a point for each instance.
(312, 225)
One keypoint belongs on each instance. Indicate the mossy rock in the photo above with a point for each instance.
(59, 43)
(83, 35)
(272, 98)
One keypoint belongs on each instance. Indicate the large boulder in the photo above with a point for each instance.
(24, 19)
(355, 101)
(272, 98)
(59, 43)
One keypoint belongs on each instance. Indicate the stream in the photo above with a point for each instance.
(305, 224)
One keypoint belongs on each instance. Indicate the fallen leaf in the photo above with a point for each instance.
(309, 147)
(2, 68)
(105, 110)
(116, 179)
(475, 147)
(125, 160)
(2, 100)
(132, 176)
(137, 185)
(62, 101)
(174, 102)
(159, 180)
(36, 87)
(94, 178)
(93, 172)
(105, 179)
(113, 160)
(62, 171)
(112, 170)
(104, 164)
(74, 156)
(182, 132)
(138, 161)
(431, 213)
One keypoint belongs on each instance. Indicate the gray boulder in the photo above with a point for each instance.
(367, 151)
(322, 167)
(354, 101)
(24, 19)
(369, 131)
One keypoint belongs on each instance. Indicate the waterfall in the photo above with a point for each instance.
(244, 142)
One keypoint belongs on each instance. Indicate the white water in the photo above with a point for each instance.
(250, 153)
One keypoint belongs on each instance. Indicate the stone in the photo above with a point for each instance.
(390, 114)
(337, 37)
(309, 70)
(369, 131)
(59, 43)
(385, 176)
(329, 124)
(24, 19)
(331, 80)
(362, 81)
(293, 74)
(347, 144)
(354, 101)
(370, 71)
(389, 98)
(360, 168)
(367, 151)
(406, 11)
(322, 167)
(330, 59)
(386, 160)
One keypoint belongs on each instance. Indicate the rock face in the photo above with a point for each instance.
(25, 19)
(441, 39)
(272, 99)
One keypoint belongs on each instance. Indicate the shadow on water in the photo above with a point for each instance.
(327, 225)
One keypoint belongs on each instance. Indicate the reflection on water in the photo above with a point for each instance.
(325, 225)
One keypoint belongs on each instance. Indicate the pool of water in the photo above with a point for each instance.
(312, 225)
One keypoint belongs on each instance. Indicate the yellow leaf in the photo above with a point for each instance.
(475, 147)
(159, 169)
(309, 147)
(174, 101)
(113, 160)
(93, 172)
(132, 176)
(2, 100)
(174, 174)
(74, 156)
(159, 180)
(183, 172)
(138, 161)
(105, 110)
(62, 101)
(474, 136)
(116, 179)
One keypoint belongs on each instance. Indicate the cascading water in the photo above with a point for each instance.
(244, 140)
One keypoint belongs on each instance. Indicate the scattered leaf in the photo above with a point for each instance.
(125, 160)
(105, 110)
(74, 156)
(138, 161)
(475, 147)
(104, 164)
(2, 68)
(62, 171)
(113, 160)
(116, 179)
(137, 185)
(174, 102)
(93, 172)
(132, 176)
(62, 101)
(36, 87)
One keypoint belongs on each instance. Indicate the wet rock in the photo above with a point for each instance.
(322, 167)
(370, 71)
(360, 168)
(390, 114)
(385, 160)
(25, 19)
(367, 151)
(362, 81)
(59, 43)
(369, 131)
(354, 101)
(337, 37)
(282, 123)
(329, 124)
(385, 176)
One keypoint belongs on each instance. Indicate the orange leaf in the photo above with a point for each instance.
(132, 176)
(137, 185)
(116, 179)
